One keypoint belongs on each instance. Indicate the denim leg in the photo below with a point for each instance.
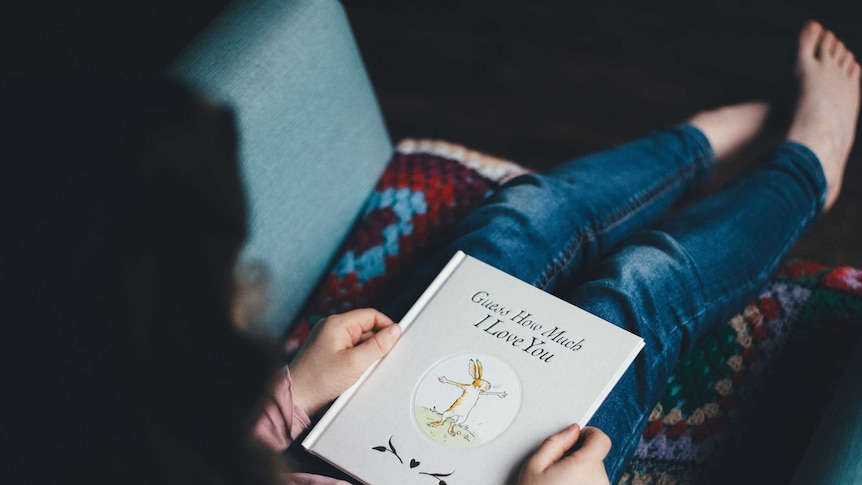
(670, 284)
(543, 228)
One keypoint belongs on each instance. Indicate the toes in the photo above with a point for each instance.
(848, 61)
(840, 53)
(855, 71)
(809, 38)
(827, 45)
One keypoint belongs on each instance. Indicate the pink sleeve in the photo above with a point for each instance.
(282, 420)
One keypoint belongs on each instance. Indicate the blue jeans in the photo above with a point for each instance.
(592, 232)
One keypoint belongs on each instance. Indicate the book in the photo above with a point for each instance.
(486, 368)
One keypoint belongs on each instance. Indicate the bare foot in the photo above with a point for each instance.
(828, 107)
(731, 128)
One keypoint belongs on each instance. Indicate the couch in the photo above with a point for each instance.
(313, 146)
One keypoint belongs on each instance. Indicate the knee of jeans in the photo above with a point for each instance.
(535, 206)
(651, 287)
(533, 193)
(552, 202)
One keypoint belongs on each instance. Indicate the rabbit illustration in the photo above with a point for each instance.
(460, 409)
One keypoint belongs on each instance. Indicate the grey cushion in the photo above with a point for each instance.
(312, 138)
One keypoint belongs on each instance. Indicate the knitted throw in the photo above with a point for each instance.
(713, 395)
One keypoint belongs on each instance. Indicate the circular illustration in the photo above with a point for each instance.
(467, 400)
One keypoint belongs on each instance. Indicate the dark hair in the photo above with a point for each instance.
(124, 213)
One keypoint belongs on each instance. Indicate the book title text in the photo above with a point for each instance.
(504, 324)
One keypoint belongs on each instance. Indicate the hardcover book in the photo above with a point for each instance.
(487, 367)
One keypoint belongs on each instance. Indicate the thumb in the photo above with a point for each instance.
(596, 443)
(377, 345)
(553, 448)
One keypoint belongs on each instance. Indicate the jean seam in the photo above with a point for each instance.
(700, 160)
(710, 303)
(706, 153)
(633, 436)
(768, 269)
(816, 167)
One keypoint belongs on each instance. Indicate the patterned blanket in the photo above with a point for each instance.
(717, 391)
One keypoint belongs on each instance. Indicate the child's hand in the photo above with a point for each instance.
(584, 466)
(336, 354)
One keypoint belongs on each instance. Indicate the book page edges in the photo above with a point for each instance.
(409, 317)
(612, 383)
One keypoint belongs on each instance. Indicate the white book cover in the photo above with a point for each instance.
(487, 367)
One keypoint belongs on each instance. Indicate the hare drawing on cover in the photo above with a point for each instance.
(470, 393)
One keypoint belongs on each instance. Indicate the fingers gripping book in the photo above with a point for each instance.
(487, 367)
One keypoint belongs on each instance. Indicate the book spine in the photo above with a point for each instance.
(409, 317)
(432, 290)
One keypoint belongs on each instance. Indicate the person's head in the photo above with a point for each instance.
(123, 214)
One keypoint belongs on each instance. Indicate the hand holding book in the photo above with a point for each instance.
(550, 465)
(337, 353)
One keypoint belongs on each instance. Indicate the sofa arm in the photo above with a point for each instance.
(834, 454)
(312, 138)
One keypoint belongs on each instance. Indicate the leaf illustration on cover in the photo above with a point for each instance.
(438, 476)
(391, 449)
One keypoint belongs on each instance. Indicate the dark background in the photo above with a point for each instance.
(535, 81)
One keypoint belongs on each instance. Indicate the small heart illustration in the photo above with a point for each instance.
(413, 463)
